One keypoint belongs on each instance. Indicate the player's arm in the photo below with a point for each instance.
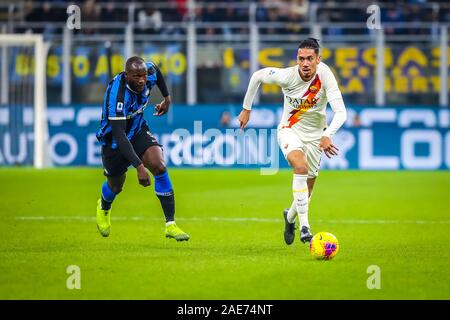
(164, 105)
(339, 118)
(336, 102)
(266, 75)
(127, 150)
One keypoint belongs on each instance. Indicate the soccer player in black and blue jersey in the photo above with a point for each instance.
(126, 140)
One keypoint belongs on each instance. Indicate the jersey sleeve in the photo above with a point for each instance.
(155, 74)
(332, 91)
(160, 83)
(334, 98)
(116, 100)
(266, 75)
(125, 146)
(339, 118)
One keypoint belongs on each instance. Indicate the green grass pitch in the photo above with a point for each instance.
(398, 221)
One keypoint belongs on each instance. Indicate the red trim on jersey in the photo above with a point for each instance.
(307, 104)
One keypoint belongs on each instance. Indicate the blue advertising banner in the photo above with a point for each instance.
(209, 136)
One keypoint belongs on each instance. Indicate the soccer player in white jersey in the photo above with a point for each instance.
(303, 133)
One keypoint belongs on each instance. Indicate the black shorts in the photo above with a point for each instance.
(115, 164)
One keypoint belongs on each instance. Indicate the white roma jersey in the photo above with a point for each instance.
(304, 102)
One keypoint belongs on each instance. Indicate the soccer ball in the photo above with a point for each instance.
(324, 246)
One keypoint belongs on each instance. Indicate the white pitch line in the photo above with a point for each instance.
(229, 219)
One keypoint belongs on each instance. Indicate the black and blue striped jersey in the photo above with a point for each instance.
(122, 103)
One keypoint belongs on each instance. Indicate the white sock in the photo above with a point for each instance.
(169, 223)
(301, 199)
(292, 213)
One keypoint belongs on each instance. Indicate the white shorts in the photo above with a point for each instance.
(289, 140)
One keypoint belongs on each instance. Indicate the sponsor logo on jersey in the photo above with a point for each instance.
(308, 101)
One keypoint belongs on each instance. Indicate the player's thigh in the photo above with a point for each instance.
(297, 160)
(288, 141)
(143, 140)
(153, 159)
(292, 148)
(149, 151)
(313, 157)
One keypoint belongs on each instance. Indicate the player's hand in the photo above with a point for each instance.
(162, 108)
(244, 116)
(328, 147)
(143, 176)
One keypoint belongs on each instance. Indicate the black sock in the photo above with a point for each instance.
(106, 205)
(168, 206)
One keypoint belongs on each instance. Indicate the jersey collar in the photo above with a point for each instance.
(131, 89)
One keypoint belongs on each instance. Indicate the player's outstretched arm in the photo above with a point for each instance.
(265, 75)
(252, 89)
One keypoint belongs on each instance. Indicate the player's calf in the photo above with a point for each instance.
(165, 194)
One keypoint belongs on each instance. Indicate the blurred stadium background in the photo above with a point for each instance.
(207, 52)
(395, 83)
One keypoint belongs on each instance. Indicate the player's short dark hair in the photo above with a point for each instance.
(133, 61)
(310, 43)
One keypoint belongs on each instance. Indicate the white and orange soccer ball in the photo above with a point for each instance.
(324, 246)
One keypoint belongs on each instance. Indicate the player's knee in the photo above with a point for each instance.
(300, 169)
(159, 169)
(116, 189)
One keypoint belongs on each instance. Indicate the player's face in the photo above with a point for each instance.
(136, 79)
(307, 61)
